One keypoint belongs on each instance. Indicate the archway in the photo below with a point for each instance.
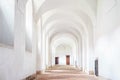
(64, 52)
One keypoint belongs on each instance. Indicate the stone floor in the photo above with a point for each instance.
(61, 72)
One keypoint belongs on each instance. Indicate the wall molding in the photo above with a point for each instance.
(6, 46)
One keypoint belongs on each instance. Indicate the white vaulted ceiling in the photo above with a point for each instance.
(74, 17)
(69, 23)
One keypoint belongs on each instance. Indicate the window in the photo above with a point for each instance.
(29, 25)
(7, 22)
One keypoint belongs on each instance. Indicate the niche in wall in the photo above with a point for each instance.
(7, 23)
(29, 26)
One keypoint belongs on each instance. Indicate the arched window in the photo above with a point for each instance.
(7, 22)
(29, 25)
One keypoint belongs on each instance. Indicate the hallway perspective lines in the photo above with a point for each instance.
(61, 73)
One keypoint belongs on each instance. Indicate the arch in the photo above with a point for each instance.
(75, 15)
(60, 39)
(76, 21)
(78, 5)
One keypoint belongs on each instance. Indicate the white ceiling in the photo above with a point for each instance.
(73, 17)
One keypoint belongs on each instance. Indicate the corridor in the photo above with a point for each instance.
(80, 37)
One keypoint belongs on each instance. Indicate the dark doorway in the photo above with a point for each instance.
(56, 60)
(67, 59)
(96, 67)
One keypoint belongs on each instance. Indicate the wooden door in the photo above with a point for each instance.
(56, 60)
(67, 59)
(96, 67)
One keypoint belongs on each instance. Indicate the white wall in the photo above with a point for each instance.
(7, 59)
(107, 38)
(15, 62)
(107, 48)
(61, 51)
(27, 60)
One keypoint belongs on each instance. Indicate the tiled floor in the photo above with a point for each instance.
(65, 73)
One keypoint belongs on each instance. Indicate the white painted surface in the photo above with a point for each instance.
(15, 63)
(107, 38)
(76, 18)
(61, 51)
(7, 63)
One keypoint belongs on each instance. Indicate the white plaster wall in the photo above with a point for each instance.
(27, 59)
(7, 59)
(107, 38)
(108, 16)
(67, 40)
(15, 63)
(12, 68)
(107, 48)
(29, 67)
(39, 45)
(61, 52)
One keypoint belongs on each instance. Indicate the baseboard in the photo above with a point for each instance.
(103, 78)
(91, 72)
(40, 72)
(31, 77)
